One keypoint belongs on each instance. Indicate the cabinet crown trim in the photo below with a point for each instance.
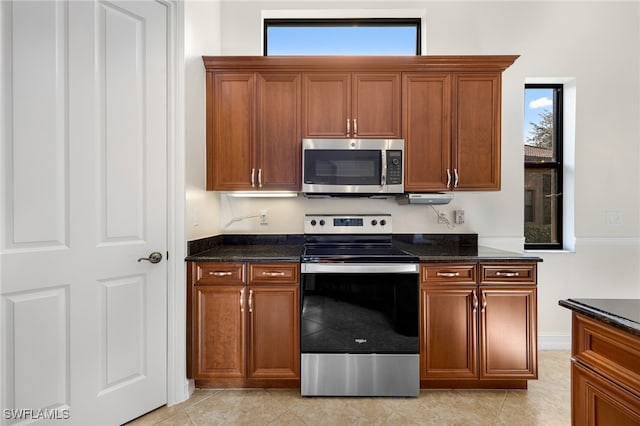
(489, 63)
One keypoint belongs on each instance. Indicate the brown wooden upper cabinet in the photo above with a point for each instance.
(451, 126)
(446, 108)
(253, 131)
(351, 105)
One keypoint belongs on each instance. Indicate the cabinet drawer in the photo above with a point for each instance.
(508, 273)
(219, 273)
(608, 351)
(443, 273)
(268, 273)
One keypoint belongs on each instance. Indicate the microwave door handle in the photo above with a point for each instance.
(383, 178)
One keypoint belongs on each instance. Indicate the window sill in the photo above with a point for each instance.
(564, 251)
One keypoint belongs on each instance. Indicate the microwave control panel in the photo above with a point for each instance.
(394, 167)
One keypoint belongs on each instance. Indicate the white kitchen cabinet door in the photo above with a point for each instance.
(84, 196)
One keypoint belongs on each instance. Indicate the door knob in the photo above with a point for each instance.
(154, 257)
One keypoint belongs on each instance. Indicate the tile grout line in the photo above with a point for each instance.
(504, 400)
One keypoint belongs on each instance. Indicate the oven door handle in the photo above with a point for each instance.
(359, 268)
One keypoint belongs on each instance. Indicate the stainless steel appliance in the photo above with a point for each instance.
(352, 167)
(359, 316)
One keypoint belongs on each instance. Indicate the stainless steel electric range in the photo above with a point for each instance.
(359, 316)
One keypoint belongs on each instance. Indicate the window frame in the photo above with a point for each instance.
(339, 22)
(557, 165)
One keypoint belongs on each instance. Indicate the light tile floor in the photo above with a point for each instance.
(546, 402)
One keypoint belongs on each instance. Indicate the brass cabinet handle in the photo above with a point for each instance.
(448, 274)
(475, 301)
(253, 175)
(242, 300)
(484, 303)
(259, 178)
(448, 178)
(455, 180)
(220, 273)
(355, 127)
(348, 126)
(507, 274)
(250, 301)
(273, 274)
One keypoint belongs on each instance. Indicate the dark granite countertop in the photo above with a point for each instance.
(247, 248)
(623, 314)
(289, 248)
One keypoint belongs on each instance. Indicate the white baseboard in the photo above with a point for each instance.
(554, 342)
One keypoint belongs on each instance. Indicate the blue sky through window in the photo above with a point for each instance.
(341, 40)
(536, 101)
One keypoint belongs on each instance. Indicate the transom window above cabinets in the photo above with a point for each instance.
(370, 36)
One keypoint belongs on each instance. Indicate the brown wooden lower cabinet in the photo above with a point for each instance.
(243, 332)
(477, 325)
(598, 401)
(475, 332)
(605, 374)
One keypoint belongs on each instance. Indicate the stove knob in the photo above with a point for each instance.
(374, 222)
(321, 222)
(383, 222)
(313, 222)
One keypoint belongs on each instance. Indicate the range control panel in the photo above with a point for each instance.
(347, 224)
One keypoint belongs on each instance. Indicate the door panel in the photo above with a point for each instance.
(28, 196)
(427, 131)
(122, 344)
(326, 103)
(279, 148)
(84, 189)
(45, 369)
(449, 333)
(219, 334)
(508, 333)
(274, 332)
(376, 106)
(476, 132)
(231, 147)
(120, 124)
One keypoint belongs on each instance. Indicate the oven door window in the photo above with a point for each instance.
(342, 167)
(359, 313)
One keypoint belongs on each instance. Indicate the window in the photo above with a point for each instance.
(543, 166)
(371, 36)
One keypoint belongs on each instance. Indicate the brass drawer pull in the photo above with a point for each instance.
(507, 274)
(220, 274)
(448, 274)
(273, 274)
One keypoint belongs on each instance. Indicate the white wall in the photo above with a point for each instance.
(596, 45)
(202, 37)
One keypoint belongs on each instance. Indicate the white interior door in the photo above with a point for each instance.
(84, 196)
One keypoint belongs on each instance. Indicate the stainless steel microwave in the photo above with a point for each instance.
(357, 167)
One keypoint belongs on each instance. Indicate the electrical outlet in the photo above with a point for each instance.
(195, 217)
(263, 217)
(458, 217)
(613, 217)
